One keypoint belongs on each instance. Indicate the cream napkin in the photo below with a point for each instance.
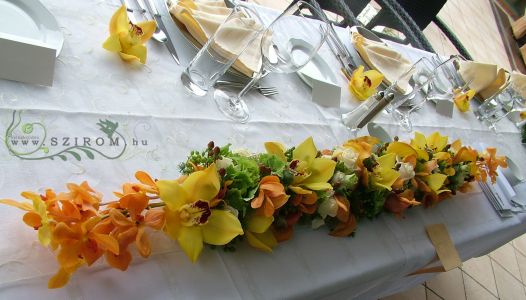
(382, 58)
(486, 79)
(518, 81)
(202, 18)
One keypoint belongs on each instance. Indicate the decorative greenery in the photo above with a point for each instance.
(225, 197)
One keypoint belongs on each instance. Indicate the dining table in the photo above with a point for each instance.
(104, 119)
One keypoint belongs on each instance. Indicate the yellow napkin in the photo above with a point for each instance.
(202, 18)
(518, 82)
(382, 58)
(486, 79)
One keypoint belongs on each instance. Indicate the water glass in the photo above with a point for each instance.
(503, 103)
(221, 50)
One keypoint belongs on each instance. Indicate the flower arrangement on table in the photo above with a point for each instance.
(225, 196)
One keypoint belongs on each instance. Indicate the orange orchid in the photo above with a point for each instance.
(271, 196)
(79, 243)
(86, 199)
(490, 164)
(306, 202)
(398, 203)
(347, 220)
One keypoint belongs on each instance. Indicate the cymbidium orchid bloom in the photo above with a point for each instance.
(383, 175)
(432, 144)
(363, 84)
(398, 203)
(127, 38)
(258, 233)
(189, 218)
(311, 173)
(462, 100)
(271, 196)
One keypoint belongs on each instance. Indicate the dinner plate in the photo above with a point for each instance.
(316, 69)
(30, 19)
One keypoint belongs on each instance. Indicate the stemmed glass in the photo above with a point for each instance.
(433, 81)
(283, 50)
(503, 103)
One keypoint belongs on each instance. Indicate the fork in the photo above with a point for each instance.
(265, 91)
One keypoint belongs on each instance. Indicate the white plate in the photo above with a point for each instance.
(317, 68)
(30, 19)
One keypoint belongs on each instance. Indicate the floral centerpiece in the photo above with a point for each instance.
(224, 197)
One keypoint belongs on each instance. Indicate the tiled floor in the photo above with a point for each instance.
(502, 273)
(499, 275)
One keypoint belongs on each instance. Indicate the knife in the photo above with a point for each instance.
(380, 105)
(157, 17)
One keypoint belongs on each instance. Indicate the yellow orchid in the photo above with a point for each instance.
(189, 218)
(462, 100)
(435, 182)
(363, 84)
(36, 215)
(433, 143)
(311, 173)
(258, 233)
(383, 175)
(127, 38)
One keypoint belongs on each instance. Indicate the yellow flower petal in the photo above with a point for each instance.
(386, 160)
(384, 178)
(259, 224)
(299, 190)
(202, 185)
(112, 43)
(277, 149)
(442, 156)
(172, 223)
(22, 205)
(263, 241)
(44, 235)
(306, 151)
(129, 58)
(148, 28)
(191, 241)
(221, 228)
(435, 181)
(119, 21)
(419, 141)
(436, 142)
(462, 100)
(172, 193)
(363, 84)
(318, 186)
(401, 149)
(321, 169)
(138, 51)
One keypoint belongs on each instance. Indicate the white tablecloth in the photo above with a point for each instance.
(159, 123)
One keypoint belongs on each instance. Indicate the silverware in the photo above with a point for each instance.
(495, 201)
(158, 35)
(340, 51)
(265, 91)
(157, 17)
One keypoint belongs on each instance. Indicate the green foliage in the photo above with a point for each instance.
(274, 163)
(368, 202)
(524, 134)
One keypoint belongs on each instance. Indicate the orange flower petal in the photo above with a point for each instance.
(64, 233)
(121, 261)
(345, 229)
(106, 242)
(282, 235)
(32, 219)
(143, 243)
(119, 219)
(90, 252)
(258, 201)
(135, 203)
(144, 178)
(343, 208)
(60, 279)
(155, 218)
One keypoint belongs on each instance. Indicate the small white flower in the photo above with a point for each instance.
(223, 163)
(329, 207)
(338, 177)
(347, 156)
(406, 171)
(242, 151)
(317, 223)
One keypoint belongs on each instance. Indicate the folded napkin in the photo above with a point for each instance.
(485, 79)
(380, 57)
(202, 18)
(518, 82)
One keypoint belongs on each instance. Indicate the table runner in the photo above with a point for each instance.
(159, 123)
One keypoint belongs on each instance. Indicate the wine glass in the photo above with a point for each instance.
(506, 102)
(439, 81)
(287, 45)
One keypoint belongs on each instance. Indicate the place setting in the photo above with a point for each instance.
(251, 151)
